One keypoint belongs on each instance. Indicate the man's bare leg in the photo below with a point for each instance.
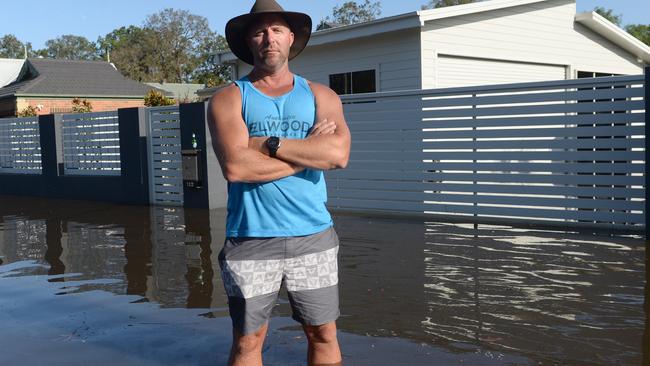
(247, 349)
(323, 346)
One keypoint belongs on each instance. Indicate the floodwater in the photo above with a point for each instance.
(85, 283)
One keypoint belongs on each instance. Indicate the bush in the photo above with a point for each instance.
(155, 98)
(81, 106)
(28, 111)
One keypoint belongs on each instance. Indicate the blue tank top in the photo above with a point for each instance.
(291, 206)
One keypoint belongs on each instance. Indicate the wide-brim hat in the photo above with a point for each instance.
(237, 29)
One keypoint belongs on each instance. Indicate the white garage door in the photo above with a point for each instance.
(461, 71)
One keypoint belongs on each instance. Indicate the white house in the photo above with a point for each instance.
(489, 42)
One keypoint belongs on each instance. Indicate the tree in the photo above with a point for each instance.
(70, 47)
(609, 15)
(180, 39)
(351, 12)
(640, 31)
(131, 49)
(207, 72)
(443, 3)
(11, 47)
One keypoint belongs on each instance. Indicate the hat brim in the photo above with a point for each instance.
(237, 28)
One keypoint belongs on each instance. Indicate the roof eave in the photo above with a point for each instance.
(478, 7)
(21, 95)
(613, 33)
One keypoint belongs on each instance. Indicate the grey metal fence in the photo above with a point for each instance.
(91, 143)
(564, 151)
(165, 161)
(20, 146)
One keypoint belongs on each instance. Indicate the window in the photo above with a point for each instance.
(354, 82)
(589, 74)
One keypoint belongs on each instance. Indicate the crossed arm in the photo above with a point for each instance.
(245, 159)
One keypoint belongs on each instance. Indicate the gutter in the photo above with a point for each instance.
(615, 34)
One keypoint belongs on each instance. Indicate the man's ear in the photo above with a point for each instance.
(293, 38)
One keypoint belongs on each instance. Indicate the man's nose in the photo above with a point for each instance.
(270, 37)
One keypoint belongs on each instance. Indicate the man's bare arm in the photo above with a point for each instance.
(322, 151)
(230, 138)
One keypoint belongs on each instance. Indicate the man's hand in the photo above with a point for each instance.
(324, 127)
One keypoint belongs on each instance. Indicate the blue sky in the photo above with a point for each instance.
(47, 19)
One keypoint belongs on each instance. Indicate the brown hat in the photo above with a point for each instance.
(236, 29)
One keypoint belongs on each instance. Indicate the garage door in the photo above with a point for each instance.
(461, 71)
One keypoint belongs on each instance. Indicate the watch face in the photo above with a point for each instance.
(273, 142)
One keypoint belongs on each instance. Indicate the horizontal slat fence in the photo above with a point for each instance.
(569, 151)
(20, 146)
(165, 160)
(91, 143)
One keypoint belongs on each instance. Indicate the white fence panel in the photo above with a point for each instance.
(20, 146)
(165, 160)
(91, 144)
(570, 151)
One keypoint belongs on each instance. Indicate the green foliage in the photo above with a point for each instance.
(71, 47)
(81, 106)
(28, 111)
(640, 31)
(609, 15)
(351, 12)
(132, 50)
(443, 3)
(179, 38)
(12, 47)
(155, 98)
(207, 73)
(172, 46)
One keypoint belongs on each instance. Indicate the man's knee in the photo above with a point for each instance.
(325, 333)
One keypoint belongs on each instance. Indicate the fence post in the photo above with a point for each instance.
(51, 132)
(133, 156)
(213, 192)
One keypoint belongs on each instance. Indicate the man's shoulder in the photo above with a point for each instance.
(228, 93)
(321, 90)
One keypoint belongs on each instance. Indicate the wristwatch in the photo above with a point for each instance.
(273, 144)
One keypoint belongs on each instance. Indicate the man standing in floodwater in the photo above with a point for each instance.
(274, 134)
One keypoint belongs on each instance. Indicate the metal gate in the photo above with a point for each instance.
(164, 151)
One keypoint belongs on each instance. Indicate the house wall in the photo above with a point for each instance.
(541, 33)
(395, 56)
(44, 106)
(7, 107)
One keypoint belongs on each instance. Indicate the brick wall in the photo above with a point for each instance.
(47, 106)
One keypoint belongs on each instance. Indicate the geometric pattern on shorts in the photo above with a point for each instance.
(251, 278)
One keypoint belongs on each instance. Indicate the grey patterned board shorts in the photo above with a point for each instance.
(253, 270)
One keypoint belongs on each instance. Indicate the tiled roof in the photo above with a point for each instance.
(52, 77)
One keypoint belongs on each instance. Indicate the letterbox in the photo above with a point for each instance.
(192, 168)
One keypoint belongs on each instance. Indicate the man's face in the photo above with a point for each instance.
(270, 40)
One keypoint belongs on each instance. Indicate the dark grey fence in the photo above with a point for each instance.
(558, 152)
(129, 156)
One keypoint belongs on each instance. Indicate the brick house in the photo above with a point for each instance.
(50, 85)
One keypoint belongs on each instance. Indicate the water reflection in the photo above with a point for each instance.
(555, 296)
